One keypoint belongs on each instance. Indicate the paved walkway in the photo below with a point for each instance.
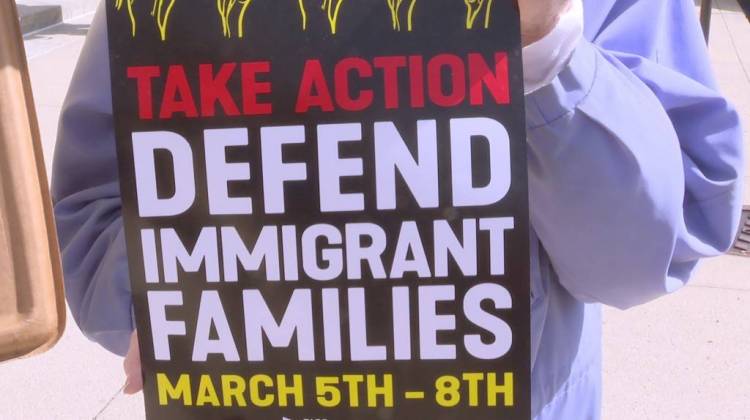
(683, 357)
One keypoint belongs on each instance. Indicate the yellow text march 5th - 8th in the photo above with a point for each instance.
(468, 389)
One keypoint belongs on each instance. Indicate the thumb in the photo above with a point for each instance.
(132, 367)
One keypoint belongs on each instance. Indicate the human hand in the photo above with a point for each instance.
(132, 367)
(539, 17)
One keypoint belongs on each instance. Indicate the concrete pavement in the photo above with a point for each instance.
(682, 357)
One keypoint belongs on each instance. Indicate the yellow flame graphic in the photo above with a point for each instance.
(131, 15)
(161, 13)
(228, 10)
(225, 8)
(332, 12)
(395, 7)
(303, 12)
(241, 19)
(473, 8)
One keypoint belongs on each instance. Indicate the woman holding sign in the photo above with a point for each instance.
(634, 175)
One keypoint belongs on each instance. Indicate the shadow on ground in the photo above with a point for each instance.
(729, 6)
(61, 29)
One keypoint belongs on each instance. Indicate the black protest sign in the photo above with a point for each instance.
(325, 207)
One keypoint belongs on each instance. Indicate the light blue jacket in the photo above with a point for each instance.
(635, 164)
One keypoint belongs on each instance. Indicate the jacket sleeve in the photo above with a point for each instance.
(86, 196)
(635, 160)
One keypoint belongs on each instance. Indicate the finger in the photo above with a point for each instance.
(133, 376)
(133, 384)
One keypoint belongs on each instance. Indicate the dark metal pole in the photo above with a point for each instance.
(706, 17)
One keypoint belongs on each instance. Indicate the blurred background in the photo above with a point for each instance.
(685, 356)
